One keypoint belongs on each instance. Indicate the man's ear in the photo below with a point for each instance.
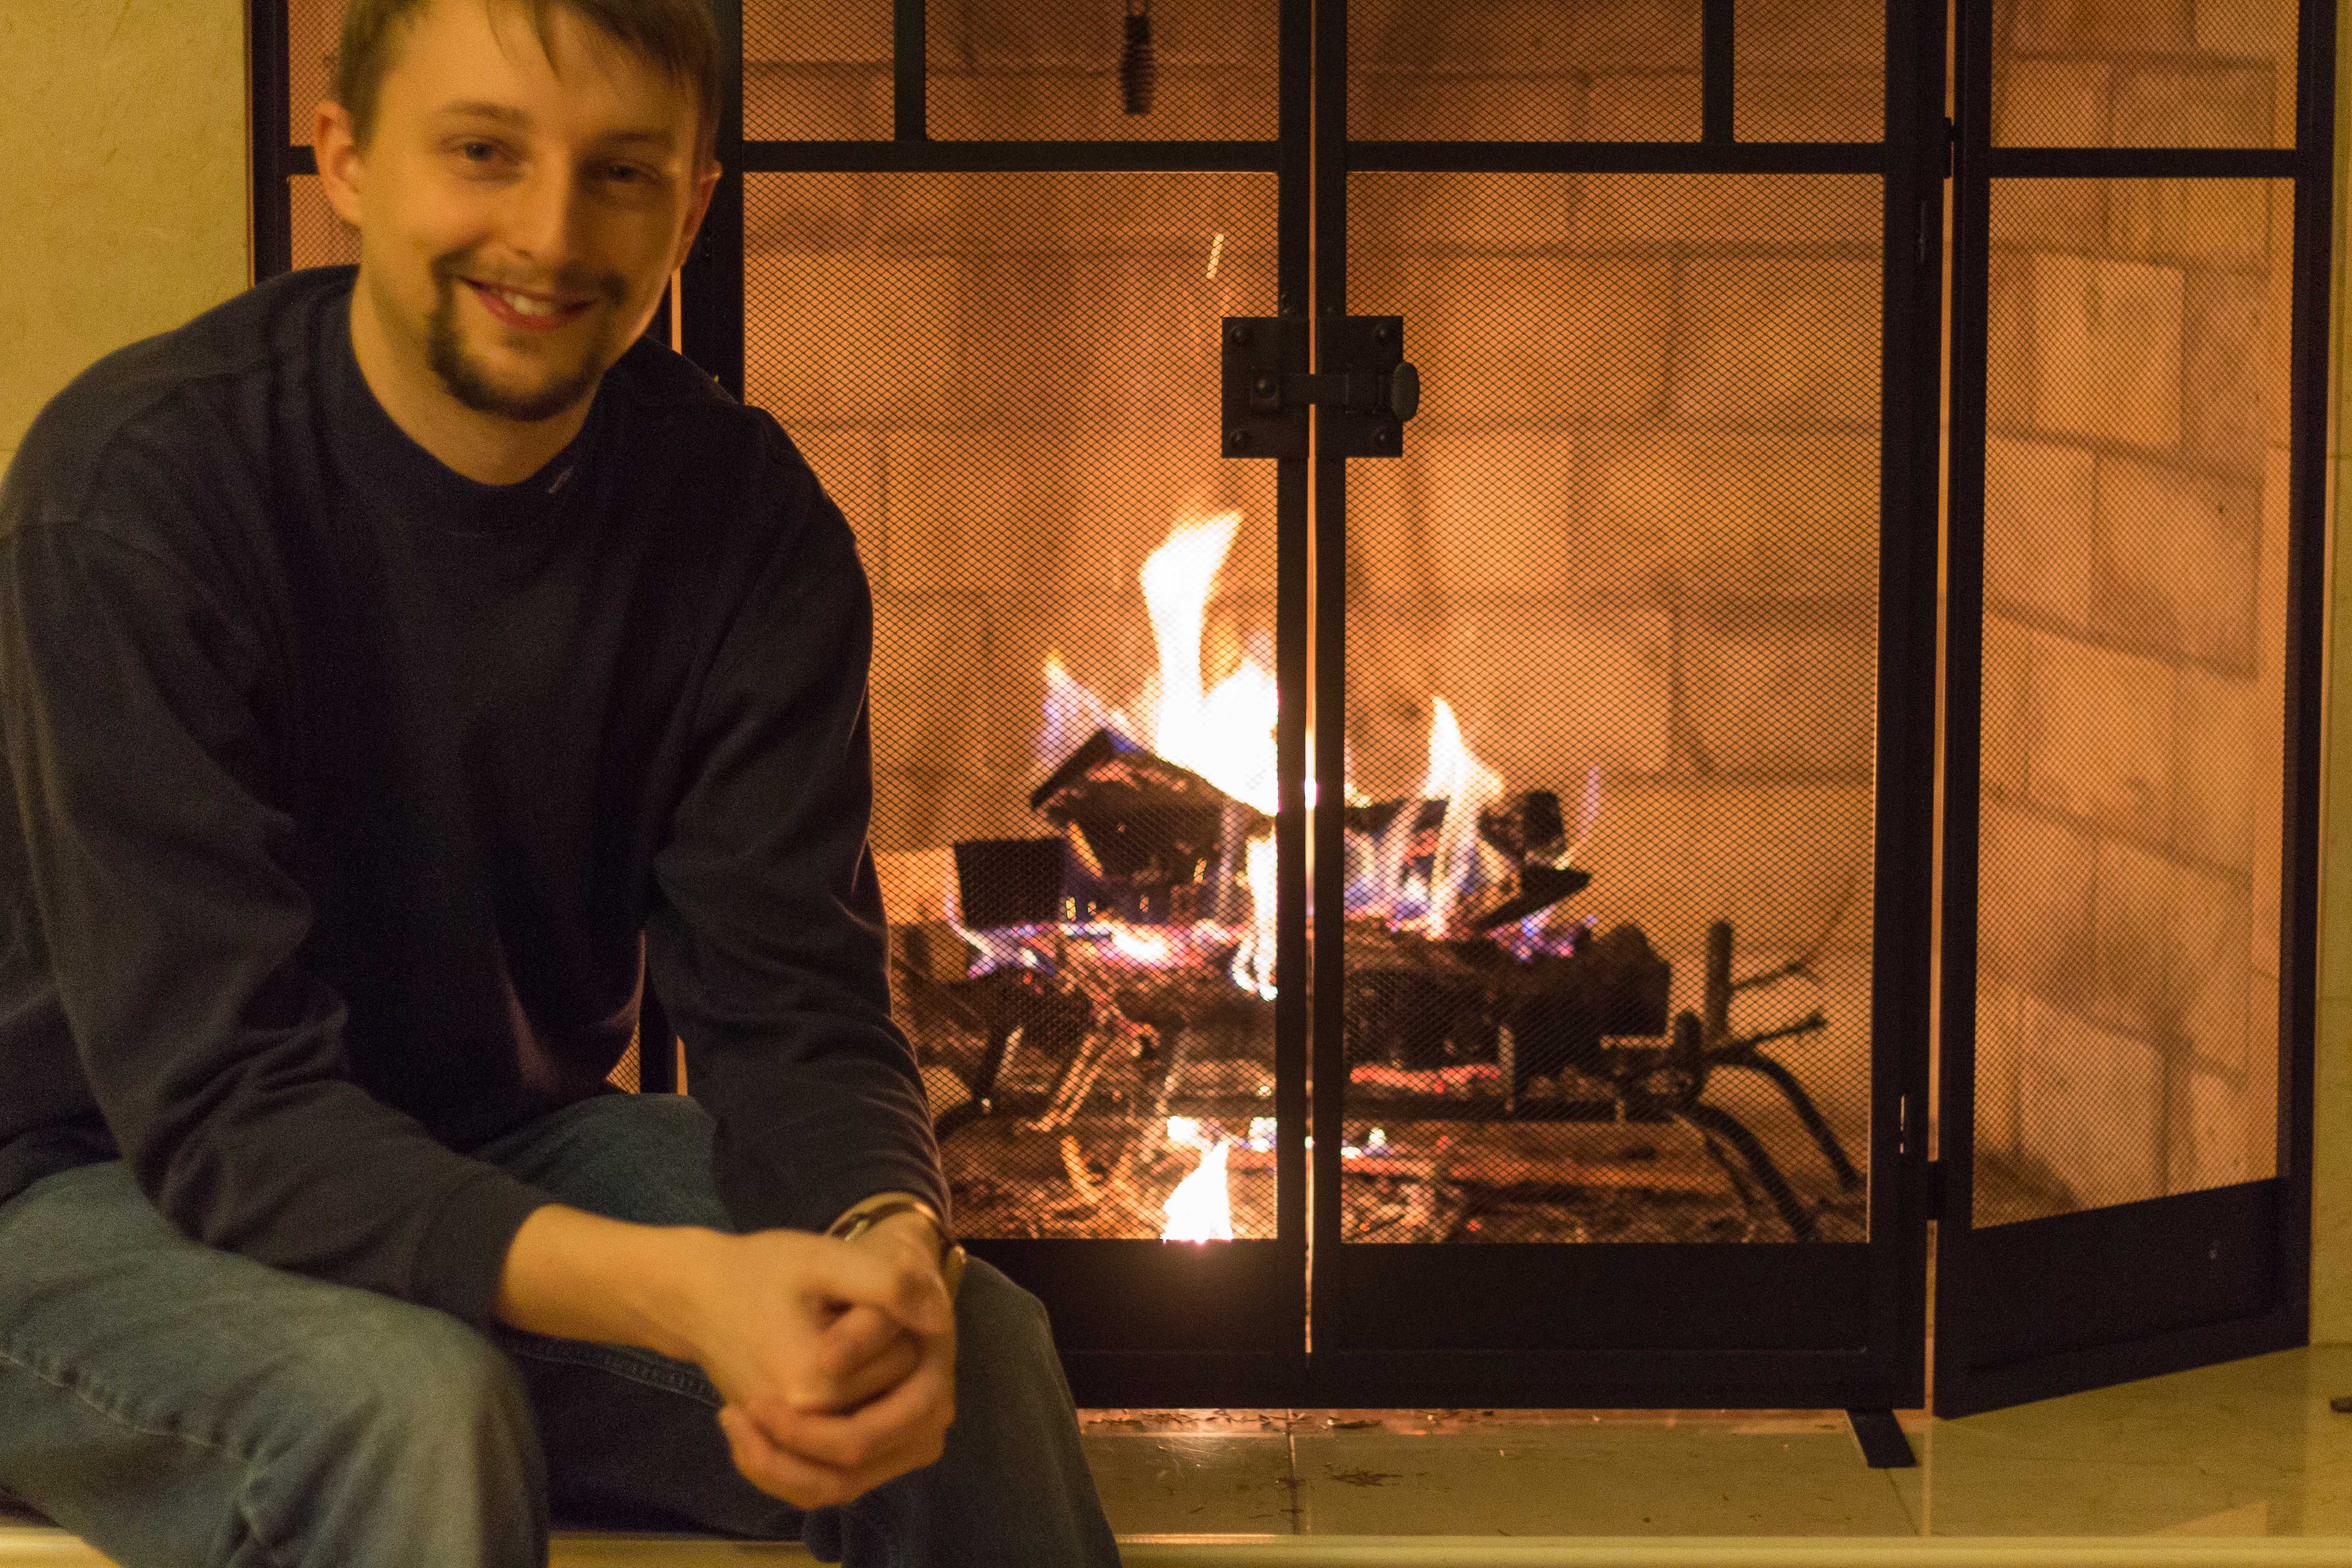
(340, 167)
(705, 182)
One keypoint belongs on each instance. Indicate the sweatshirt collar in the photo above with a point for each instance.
(414, 484)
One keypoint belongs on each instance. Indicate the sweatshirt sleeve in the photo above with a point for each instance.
(767, 942)
(161, 871)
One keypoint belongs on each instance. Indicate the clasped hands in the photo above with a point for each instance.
(837, 1359)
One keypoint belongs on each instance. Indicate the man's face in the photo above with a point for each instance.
(518, 209)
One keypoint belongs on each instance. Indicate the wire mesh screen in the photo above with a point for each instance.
(816, 73)
(1103, 70)
(312, 28)
(1010, 383)
(1809, 70)
(320, 238)
(625, 1074)
(2167, 73)
(1611, 672)
(1490, 70)
(2135, 637)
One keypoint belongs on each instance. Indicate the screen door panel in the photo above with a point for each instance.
(2139, 262)
(2135, 637)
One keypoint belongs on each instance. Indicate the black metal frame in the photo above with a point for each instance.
(1826, 1325)
(2046, 1307)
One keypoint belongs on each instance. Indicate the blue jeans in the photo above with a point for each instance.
(174, 1404)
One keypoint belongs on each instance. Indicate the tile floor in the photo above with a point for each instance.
(2250, 1448)
(2233, 1465)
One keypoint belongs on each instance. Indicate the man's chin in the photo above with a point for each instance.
(524, 399)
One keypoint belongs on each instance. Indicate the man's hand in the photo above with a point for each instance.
(873, 1397)
(837, 1360)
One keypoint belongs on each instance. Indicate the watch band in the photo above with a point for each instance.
(863, 1218)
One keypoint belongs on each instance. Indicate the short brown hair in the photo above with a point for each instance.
(677, 35)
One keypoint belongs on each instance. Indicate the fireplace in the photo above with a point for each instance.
(1499, 871)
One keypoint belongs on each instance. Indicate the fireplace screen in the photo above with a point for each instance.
(2135, 638)
(1611, 642)
(1611, 692)
(1009, 383)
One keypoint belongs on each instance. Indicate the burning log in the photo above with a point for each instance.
(1525, 831)
(1527, 823)
(1012, 882)
(1158, 843)
(1415, 1004)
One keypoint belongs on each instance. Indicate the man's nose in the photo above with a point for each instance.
(543, 221)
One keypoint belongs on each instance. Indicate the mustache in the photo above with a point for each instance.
(568, 283)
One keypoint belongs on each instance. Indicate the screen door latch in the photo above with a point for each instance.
(1366, 390)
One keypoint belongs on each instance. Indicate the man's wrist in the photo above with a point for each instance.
(875, 1203)
(904, 1212)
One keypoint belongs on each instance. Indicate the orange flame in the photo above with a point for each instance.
(1468, 786)
(1200, 1209)
(1226, 735)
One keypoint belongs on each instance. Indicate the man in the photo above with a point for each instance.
(394, 669)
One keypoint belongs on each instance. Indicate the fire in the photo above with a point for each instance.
(1254, 964)
(1225, 735)
(1462, 864)
(1468, 786)
(1072, 713)
(1200, 1209)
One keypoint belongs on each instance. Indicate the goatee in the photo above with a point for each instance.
(465, 377)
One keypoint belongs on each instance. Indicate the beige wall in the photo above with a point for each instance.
(124, 211)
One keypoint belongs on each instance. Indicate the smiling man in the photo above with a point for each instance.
(399, 667)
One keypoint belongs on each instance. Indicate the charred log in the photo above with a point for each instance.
(1415, 1004)
(1147, 829)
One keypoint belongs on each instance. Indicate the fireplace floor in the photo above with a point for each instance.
(2240, 1464)
(2244, 1450)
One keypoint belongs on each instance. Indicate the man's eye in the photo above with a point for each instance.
(477, 151)
(626, 174)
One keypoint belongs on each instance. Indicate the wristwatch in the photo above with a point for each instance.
(863, 1218)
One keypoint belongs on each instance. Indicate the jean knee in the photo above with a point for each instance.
(409, 1384)
(993, 1311)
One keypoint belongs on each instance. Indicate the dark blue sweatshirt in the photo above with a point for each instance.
(349, 803)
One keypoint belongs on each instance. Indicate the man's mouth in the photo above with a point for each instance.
(531, 312)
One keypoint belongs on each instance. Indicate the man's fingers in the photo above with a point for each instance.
(861, 1352)
(802, 1481)
(904, 1286)
(778, 1471)
(913, 1414)
(856, 1337)
(877, 1376)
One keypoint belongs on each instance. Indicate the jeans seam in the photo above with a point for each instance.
(619, 1363)
(80, 1390)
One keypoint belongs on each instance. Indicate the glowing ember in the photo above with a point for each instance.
(1199, 1209)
